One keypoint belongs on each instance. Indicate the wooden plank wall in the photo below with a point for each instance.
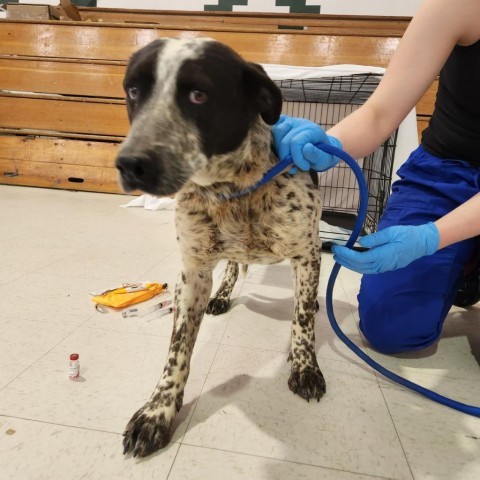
(62, 112)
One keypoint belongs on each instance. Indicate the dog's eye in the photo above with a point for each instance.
(197, 97)
(132, 93)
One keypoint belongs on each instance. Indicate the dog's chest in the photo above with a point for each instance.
(263, 229)
(241, 241)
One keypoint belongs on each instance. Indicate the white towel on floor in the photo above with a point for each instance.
(152, 203)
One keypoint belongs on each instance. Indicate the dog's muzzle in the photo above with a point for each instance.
(156, 173)
(136, 172)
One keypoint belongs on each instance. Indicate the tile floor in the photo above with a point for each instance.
(239, 420)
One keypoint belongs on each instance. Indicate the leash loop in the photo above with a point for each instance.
(461, 407)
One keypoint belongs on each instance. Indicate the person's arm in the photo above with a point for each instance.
(428, 41)
(460, 224)
(398, 246)
(418, 59)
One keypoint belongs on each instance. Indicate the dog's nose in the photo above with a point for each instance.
(132, 167)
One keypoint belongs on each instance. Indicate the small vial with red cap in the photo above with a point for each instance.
(74, 366)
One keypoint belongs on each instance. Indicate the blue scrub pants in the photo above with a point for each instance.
(404, 310)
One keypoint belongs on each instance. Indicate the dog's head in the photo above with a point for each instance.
(188, 101)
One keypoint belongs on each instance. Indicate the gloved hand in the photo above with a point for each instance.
(390, 249)
(296, 137)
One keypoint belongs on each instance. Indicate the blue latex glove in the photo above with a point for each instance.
(297, 137)
(390, 249)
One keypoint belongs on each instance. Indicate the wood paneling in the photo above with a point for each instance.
(110, 42)
(70, 126)
(67, 77)
(427, 102)
(324, 24)
(64, 114)
(58, 163)
(422, 124)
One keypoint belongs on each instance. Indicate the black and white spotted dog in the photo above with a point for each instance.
(200, 119)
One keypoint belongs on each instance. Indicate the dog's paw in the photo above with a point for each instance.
(146, 433)
(217, 306)
(308, 383)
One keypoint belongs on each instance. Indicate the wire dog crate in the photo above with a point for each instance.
(326, 101)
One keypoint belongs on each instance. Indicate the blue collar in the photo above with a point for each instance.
(277, 169)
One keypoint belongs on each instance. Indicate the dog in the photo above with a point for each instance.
(201, 121)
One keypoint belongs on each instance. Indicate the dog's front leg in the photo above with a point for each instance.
(306, 379)
(220, 302)
(150, 427)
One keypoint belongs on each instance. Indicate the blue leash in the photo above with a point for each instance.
(461, 407)
(362, 212)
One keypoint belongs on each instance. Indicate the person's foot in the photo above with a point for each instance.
(469, 292)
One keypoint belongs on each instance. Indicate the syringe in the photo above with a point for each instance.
(159, 307)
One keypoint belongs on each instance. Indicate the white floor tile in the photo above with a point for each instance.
(119, 261)
(29, 252)
(246, 407)
(194, 463)
(118, 373)
(23, 342)
(41, 451)
(8, 275)
(440, 443)
(51, 298)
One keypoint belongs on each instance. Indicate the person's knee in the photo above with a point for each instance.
(400, 321)
(383, 338)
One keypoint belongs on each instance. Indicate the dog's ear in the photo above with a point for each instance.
(266, 96)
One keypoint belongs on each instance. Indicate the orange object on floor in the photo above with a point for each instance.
(129, 294)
